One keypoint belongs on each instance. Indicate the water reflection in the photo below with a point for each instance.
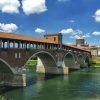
(78, 85)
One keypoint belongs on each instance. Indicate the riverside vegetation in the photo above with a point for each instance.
(95, 61)
(2, 98)
(32, 62)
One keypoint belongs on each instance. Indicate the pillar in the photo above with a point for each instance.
(15, 80)
(57, 70)
(0, 43)
(13, 44)
(8, 46)
(3, 44)
(22, 45)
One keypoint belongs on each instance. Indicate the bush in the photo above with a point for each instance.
(32, 62)
(2, 98)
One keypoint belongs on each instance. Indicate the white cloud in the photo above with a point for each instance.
(74, 37)
(78, 34)
(39, 30)
(71, 21)
(67, 31)
(8, 27)
(63, 0)
(9, 6)
(86, 35)
(97, 15)
(34, 6)
(96, 33)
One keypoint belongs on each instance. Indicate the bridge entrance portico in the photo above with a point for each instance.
(53, 58)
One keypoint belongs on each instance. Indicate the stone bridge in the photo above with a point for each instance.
(53, 58)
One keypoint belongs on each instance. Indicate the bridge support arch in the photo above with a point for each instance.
(8, 77)
(82, 62)
(87, 61)
(46, 63)
(5, 67)
(69, 61)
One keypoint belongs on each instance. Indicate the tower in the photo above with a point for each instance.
(56, 37)
(80, 42)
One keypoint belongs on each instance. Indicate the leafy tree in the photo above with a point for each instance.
(2, 98)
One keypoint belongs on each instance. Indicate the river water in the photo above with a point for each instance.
(83, 84)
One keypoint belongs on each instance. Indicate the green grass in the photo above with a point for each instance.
(95, 61)
(31, 63)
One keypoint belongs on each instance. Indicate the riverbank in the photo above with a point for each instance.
(95, 61)
(31, 63)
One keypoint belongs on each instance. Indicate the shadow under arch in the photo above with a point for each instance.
(5, 67)
(46, 63)
(87, 61)
(81, 60)
(69, 60)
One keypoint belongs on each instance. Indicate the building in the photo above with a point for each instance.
(94, 51)
(81, 43)
(99, 51)
(56, 37)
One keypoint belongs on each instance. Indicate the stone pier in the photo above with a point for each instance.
(7, 79)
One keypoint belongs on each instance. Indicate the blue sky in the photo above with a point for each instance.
(37, 17)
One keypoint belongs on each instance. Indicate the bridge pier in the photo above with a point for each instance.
(52, 70)
(7, 79)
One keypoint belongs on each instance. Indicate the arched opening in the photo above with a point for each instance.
(87, 61)
(5, 72)
(69, 61)
(40, 62)
(5, 67)
(81, 60)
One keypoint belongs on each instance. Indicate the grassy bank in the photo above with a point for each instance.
(95, 61)
(31, 63)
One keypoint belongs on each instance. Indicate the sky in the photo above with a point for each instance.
(75, 19)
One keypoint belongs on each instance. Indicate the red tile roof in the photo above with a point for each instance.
(76, 47)
(24, 38)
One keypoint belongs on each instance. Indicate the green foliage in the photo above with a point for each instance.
(94, 63)
(32, 62)
(34, 58)
(2, 98)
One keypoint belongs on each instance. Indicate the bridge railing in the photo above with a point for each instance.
(19, 44)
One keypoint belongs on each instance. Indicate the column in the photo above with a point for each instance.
(13, 44)
(3, 44)
(29, 45)
(8, 44)
(22, 45)
(0, 43)
(43, 45)
(18, 44)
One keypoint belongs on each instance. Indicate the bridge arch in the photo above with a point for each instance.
(87, 60)
(69, 60)
(5, 67)
(81, 60)
(46, 63)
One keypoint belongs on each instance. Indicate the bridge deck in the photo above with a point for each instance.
(24, 41)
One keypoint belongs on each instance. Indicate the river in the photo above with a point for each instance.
(83, 84)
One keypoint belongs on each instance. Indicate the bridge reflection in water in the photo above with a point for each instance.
(83, 84)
